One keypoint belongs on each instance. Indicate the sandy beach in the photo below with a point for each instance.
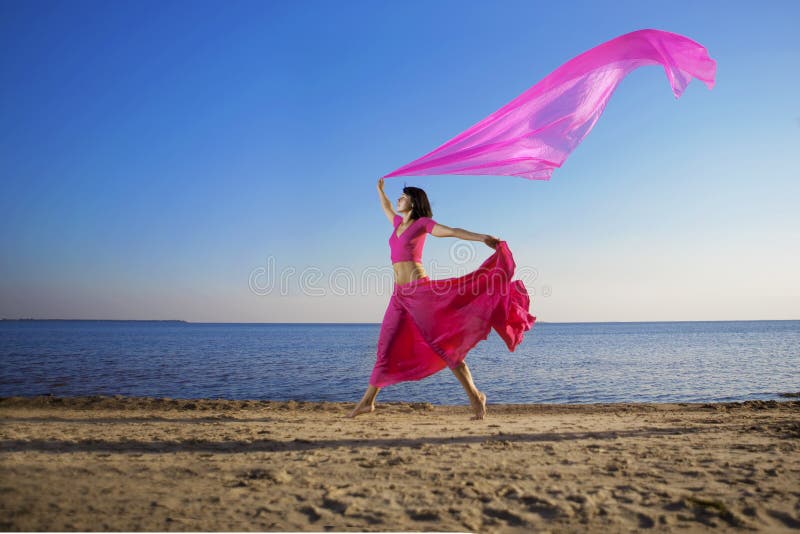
(132, 464)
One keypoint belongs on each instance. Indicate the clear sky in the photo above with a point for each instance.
(160, 159)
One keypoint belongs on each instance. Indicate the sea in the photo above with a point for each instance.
(715, 361)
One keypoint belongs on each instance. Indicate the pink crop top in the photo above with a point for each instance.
(408, 247)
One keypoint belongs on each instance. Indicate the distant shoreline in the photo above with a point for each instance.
(182, 321)
(33, 320)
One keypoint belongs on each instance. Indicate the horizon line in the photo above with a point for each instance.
(30, 319)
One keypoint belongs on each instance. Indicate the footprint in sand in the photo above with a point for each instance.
(506, 515)
(543, 507)
(423, 514)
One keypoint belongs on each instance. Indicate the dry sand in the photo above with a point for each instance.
(127, 464)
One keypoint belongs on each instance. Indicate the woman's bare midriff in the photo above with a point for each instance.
(406, 271)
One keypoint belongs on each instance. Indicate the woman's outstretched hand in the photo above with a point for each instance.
(380, 184)
(491, 241)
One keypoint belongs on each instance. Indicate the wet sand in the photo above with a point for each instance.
(133, 464)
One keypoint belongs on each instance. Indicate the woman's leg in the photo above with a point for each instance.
(476, 398)
(367, 402)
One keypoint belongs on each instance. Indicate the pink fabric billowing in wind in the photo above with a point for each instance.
(534, 133)
(433, 324)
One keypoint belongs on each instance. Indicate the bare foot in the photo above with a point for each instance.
(359, 409)
(480, 408)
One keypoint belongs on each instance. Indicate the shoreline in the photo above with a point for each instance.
(35, 319)
(142, 463)
(113, 402)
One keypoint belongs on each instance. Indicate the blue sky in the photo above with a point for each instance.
(156, 157)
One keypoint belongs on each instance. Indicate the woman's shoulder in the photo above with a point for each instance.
(428, 223)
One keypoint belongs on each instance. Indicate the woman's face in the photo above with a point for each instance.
(404, 203)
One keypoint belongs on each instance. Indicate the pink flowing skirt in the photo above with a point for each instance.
(432, 324)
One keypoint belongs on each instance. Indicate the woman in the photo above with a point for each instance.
(432, 324)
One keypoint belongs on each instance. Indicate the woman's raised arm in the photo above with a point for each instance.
(386, 204)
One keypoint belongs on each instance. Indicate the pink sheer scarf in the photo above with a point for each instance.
(535, 133)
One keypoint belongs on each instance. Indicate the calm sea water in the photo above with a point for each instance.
(567, 362)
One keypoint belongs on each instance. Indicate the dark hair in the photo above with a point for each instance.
(419, 201)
